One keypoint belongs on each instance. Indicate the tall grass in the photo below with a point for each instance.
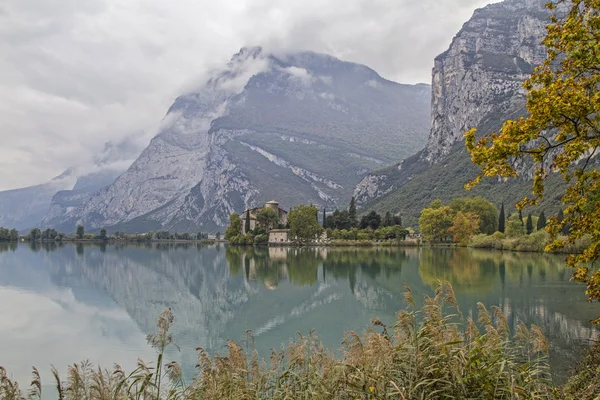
(430, 353)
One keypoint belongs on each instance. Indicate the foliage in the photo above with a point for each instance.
(426, 354)
(304, 224)
(395, 232)
(514, 227)
(80, 231)
(584, 384)
(487, 212)
(371, 220)
(339, 220)
(561, 133)
(267, 218)
(502, 220)
(352, 212)
(435, 222)
(529, 225)
(235, 227)
(247, 222)
(464, 227)
(7, 235)
(541, 222)
(34, 234)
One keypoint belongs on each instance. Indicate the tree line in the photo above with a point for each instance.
(49, 234)
(8, 235)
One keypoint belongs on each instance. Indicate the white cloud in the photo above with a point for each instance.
(75, 74)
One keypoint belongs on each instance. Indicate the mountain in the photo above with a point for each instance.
(297, 127)
(24, 208)
(65, 201)
(477, 82)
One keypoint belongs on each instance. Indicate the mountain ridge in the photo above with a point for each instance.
(299, 127)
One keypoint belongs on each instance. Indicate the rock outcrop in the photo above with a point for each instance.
(477, 82)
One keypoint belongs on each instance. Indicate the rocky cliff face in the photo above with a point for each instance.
(300, 128)
(483, 70)
(477, 82)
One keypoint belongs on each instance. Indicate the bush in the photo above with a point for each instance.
(261, 239)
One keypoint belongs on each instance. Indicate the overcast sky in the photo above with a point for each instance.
(75, 74)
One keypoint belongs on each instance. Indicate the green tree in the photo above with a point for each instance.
(541, 223)
(267, 218)
(218, 235)
(339, 220)
(324, 218)
(352, 212)
(464, 227)
(435, 222)
(397, 220)
(487, 212)
(514, 227)
(371, 220)
(35, 234)
(561, 133)
(388, 220)
(502, 220)
(303, 223)
(235, 227)
(14, 235)
(437, 203)
(80, 231)
(529, 224)
(247, 224)
(103, 234)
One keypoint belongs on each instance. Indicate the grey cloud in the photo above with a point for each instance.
(77, 74)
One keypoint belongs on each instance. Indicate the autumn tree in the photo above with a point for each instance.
(561, 133)
(464, 227)
(435, 222)
(487, 212)
(304, 224)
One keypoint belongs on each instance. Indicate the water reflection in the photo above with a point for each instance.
(218, 293)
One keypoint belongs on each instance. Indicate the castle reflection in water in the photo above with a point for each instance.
(219, 292)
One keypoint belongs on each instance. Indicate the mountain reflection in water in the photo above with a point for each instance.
(99, 302)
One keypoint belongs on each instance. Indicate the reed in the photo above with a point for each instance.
(429, 353)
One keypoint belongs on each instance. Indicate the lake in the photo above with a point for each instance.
(61, 304)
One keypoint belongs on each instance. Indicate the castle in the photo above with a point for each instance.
(253, 212)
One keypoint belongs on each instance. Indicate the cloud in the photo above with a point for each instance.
(75, 75)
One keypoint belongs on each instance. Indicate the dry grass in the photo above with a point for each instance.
(431, 353)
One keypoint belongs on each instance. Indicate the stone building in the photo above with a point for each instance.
(283, 215)
(279, 236)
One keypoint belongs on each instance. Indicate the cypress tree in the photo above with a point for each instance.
(247, 226)
(541, 224)
(387, 220)
(324, 218)
(529, 225)
(352, 212)
(501, 220)
(521, 217)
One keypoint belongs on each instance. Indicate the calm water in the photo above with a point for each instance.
(59, 305)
